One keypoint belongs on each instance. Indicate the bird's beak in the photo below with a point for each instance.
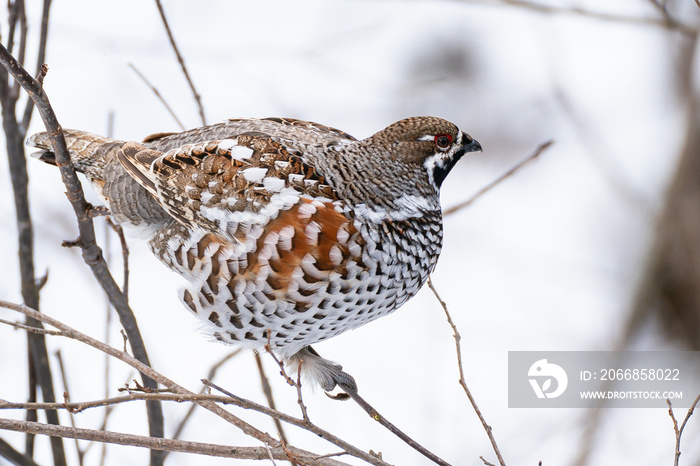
(470, 144)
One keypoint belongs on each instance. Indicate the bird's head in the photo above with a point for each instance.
(432, 142)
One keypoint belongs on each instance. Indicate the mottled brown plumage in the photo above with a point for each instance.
(290, 232)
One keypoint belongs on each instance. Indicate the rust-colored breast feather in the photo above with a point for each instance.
(311, 229)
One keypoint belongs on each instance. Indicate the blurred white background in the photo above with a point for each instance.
(549, 260)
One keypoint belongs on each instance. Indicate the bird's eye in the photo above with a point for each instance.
(443, 141)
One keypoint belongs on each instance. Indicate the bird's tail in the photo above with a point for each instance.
(89, 152)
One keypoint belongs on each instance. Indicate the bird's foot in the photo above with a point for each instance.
(322, 371)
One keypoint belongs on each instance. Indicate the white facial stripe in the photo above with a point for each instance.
(438, 161)
(429, 165)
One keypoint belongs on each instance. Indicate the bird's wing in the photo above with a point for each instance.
(229, 187)
(295, 134)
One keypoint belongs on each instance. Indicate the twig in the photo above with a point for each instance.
(300, 399)
(108, 324)
(283, 373)
(671, 22)
(193, 397)
(118, 438)
(676, 431)
(78, 407)
(228, 399)
(555, 9)
(41, 281)
(180, 60)
(296, 384)
(29, 328)
(69, 332)
(19, 14)
(40, 66)
(290, 456)
(679, 431)
(462, 380)
(308, 425)
(330, 455)
(374, 414)
(360, 401)
(92, 254)
(158, 96)
(37, 354)
(31, 415)
(269, 453)
(71, 413)
(268, 350)
(103, 425)
(267, 391)
(212, 373)
(125, 254)
(98, 211)
(541, 148)
(15, 457)
(246, 428)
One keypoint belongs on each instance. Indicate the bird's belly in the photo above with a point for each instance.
(249, 298)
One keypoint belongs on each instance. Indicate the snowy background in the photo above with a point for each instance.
(547, 261)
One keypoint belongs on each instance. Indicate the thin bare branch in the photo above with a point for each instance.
(296, 384)
(158, 96)
(17, 16)
(125, 254)
(675, 431)
(300, 398)
(307, 425)
(117, 438)
(38, 364)
(31, 415)
(92, 253)
(269, 454)
(541, 148)
(12, 23)
(462, 380)
(181, 60)
(374, 414)
(40, 66)
(690, 412)
(13, 456)
(22, 16)
(597, 15)
(212, 373)
(246, 428)
(135, 395)
(71, 413)
(103, 426)
(679, 430)
(77, 407)
(29, 328)
(267, 391)
(108, 325)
